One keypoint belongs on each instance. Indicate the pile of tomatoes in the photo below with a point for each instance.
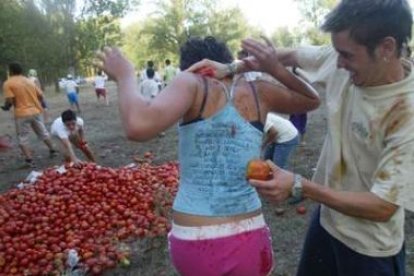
(89, 209)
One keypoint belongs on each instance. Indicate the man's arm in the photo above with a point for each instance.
(286, 56)
(69, 153)
(81, 134)
(8, 103)
(365, 205)
(9, 99)
(83, 145)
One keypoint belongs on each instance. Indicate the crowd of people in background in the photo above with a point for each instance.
(150, 80)
(25, 95)
(281, 135)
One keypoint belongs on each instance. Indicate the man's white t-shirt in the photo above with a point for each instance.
(59, 129)
(286, 131)
(252, 76)
(144, 76)
(369, 147)
(149, 88)
(100, 82)
(70, 86)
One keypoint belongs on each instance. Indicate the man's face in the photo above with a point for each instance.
(365, 69)
(71, 125)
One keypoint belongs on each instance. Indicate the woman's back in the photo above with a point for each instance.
(211, 98)
(215, 146)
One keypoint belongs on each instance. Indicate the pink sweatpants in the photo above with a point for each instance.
(244, 254)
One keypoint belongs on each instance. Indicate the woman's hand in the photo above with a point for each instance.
(114, 63)
(210, 68)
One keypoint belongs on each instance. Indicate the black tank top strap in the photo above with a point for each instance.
(203, 103)
(256, 99)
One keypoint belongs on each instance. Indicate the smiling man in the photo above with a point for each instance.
(364, 175)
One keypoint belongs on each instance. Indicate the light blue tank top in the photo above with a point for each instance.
(213, 156)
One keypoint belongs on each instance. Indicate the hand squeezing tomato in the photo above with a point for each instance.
(258, 169)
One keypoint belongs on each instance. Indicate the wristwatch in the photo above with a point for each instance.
(232, 68)
(297, 189)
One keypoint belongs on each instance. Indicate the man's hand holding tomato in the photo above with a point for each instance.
(278, 188)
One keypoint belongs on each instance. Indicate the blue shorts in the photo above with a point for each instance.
(323, 255)
(279, 153)
(73, 98)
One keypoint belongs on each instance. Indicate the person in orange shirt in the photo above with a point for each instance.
(26, 97)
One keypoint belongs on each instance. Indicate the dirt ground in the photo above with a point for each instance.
(106, 137)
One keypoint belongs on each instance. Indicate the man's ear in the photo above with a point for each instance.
(388, 48)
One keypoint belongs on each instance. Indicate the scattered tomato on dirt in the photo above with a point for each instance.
(301, 210)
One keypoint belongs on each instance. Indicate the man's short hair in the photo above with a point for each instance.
(167, 61)
(68, 115)
(150, 64)
(150, 73)
(15, 69)
(369, 22)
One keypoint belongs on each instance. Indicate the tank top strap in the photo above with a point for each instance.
(203, 104)
(256, 99)
(233, 86)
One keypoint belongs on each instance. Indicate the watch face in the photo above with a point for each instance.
(297, 186)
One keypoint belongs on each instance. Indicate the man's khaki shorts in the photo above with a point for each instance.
(24, 124)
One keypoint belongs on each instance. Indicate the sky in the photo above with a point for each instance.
(267, 14)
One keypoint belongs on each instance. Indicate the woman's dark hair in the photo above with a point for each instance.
(369, 22)
(68, 115)
(197, 49)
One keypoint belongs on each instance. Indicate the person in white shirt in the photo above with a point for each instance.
(364, 176)
(144, 76)
(68, 129)
(32, 75)
(149, 88)
(72, 90)
(100, 90)
(281, 139)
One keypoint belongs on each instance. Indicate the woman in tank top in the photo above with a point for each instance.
(218, 227)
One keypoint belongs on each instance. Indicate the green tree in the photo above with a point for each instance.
(54, 38)
(137, 43)
(228, 25)
(283, 37)
(99, 26)
(314, 12)
(176, 20)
